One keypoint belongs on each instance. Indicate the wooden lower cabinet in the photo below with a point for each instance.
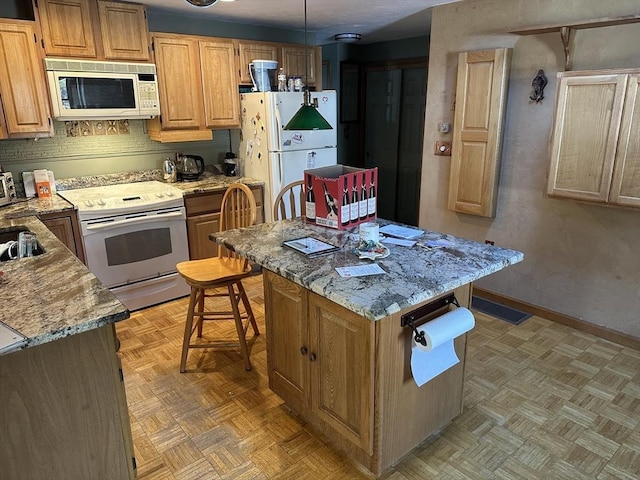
(65, 226)
(203, 218)
(63, 410)
(350, 377)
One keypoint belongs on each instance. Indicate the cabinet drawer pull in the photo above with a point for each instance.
(312, 357)
(303, 350)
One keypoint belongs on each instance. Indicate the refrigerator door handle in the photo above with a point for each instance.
(279, 124)
(280, 173)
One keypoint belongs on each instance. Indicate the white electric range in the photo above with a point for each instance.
(134, 234)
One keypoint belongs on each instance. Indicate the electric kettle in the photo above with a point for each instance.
(169, 171)
(190, 167)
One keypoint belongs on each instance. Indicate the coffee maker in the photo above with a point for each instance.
(189, 167)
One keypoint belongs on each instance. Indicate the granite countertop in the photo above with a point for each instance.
(207, 183)
(413, 274)
(53, 295)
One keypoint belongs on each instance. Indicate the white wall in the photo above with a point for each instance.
(580, 260)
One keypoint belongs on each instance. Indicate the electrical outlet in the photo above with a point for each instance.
(489, 242)
(443, 148)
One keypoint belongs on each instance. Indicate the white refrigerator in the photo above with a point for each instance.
(277, 156)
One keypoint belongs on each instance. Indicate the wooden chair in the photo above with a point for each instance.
(287, 197)
(221, 276)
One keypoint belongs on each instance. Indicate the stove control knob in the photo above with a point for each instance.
(101, 202)
(170, 193)
(89, 203)
(159, 194)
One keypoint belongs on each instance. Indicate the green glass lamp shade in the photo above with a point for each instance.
(308, 118)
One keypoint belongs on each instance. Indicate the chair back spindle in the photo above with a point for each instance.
(291, 196)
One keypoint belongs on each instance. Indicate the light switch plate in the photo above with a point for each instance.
(443, 148)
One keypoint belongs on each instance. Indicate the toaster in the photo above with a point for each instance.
(7, 188)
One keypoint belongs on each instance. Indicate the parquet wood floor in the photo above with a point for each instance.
(542, 401)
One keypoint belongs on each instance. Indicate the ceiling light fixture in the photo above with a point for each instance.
(347, 37)
(202, 3)
(307, 117)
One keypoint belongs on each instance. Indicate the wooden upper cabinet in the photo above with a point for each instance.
(219, 84)
(97, 29)
(198, 87)
(625, 187)
(22, 82)
(296, 63)
(250, 51)
(291, 57)
(595, 151)
(481, 98)
(178, 81)
(67, 28)
(124, 31)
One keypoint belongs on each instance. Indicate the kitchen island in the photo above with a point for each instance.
(337, 352)
(63, 410)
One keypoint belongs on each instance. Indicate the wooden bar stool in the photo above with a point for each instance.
(221, 276)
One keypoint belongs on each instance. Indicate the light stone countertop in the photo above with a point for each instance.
(53, 295)
(207, 183)
(413, 274)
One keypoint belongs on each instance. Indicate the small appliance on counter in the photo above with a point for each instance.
(189, 167)
(169, 171)
(7, 187)
(230, 164)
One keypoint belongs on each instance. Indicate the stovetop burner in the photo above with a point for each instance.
(110, 200)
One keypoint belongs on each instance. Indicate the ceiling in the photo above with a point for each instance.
(375, 20)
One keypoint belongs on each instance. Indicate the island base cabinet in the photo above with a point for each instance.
(351, 378)
(63, 410)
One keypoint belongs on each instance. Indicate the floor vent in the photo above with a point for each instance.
(502, 312)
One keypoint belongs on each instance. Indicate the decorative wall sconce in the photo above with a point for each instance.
(538, 84)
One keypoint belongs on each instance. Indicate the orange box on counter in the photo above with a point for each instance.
(42, 183)
(340, 197)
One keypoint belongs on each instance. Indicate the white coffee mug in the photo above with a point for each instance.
(369, 231)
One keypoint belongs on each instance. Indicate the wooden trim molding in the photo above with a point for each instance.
(597, 330)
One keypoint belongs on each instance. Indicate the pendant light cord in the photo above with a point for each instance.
(306, 55)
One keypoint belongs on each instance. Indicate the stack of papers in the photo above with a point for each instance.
(401, 232)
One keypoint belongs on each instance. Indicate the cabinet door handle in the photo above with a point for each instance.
(312, 357)
(303, 350)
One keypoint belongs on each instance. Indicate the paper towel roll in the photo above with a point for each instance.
(446, 327)
(439, 354)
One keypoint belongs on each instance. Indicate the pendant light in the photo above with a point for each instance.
(202, 3)
(307, 117)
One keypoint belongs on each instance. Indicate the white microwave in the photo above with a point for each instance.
(90, 90)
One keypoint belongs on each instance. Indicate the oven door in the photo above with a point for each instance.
(126, 249)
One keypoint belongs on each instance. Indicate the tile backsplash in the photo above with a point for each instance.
(91, 153)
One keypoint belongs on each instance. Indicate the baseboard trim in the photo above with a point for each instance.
(602, 332)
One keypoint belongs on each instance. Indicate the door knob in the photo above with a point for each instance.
(312, 357)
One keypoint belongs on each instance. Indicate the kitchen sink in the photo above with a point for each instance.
(11, 234)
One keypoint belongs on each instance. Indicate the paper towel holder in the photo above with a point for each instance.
(408, 319)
